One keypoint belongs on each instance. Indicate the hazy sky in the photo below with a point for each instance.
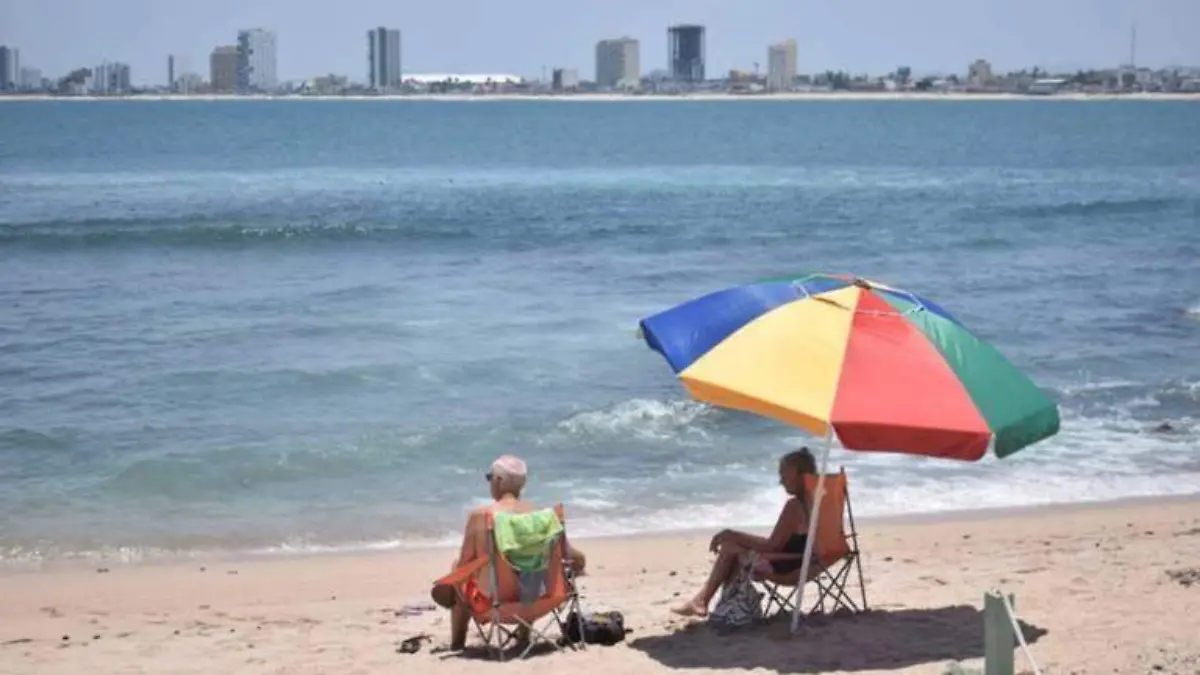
(523, 36)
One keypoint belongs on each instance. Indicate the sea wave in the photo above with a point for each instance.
(662, 464)
(1103, 207)
(218, 232)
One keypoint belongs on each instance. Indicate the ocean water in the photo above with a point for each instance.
(295, 326)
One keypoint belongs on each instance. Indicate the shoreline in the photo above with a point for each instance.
(1092, 588)
(611, 98)
(931, 518)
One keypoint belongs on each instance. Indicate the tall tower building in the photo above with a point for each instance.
(685, 52)
(383, 54)
(10, 68)
(618, 63)
(781, 66)
(256, 64)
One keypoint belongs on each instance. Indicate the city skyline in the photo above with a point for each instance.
(856, 36)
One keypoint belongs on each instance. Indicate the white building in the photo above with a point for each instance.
(618, 63)
(10, 68)
(1047, 86)
(383, 54)
(464, 78)
(30, 79)
(979, 73)
(781, 66)
(188, 83)
(109, 79)
(256, 65)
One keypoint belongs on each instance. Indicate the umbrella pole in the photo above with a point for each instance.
(813, 517)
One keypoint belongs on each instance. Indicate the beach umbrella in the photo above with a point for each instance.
(845, 358)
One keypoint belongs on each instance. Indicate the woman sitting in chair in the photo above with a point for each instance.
(782, 552)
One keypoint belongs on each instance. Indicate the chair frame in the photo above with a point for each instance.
(831, 580)
(498, 636)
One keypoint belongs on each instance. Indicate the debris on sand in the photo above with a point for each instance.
(1186, 577)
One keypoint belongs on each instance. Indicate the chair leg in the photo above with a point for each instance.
(777, 600)
(832, 587)
(862, 584)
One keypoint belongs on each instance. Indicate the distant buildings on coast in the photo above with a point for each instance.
(249, 66)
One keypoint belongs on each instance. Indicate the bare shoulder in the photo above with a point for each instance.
(511, 507)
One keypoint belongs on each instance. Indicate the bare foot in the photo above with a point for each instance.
(692, 608)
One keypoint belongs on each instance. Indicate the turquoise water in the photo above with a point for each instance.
(288, 326)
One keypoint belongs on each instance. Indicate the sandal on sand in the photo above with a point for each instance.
(413, 644)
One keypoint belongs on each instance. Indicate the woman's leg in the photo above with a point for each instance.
(726, 564)
(460, 621)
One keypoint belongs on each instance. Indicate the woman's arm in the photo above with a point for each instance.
(469, 550)
(789, 522)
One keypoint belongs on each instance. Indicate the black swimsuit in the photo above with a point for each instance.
(794, 545)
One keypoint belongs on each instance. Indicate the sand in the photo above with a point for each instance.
(1105, 589)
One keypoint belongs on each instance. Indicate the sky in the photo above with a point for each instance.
(524, 37)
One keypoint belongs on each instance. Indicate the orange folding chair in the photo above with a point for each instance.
(498, 611)
(836, 562)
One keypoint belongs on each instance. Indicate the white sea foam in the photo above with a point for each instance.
(1096, 385)
(643, 419)
(1093, 459)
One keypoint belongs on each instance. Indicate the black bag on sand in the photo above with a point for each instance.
(597, 628)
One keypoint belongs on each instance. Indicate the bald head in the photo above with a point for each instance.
(508, 475)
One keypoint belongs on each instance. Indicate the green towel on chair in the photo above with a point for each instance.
(524, 539)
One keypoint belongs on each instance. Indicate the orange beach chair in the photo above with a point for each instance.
(836, 564)
(497, 610)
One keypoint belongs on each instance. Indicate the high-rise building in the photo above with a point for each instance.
(10, 68)
(223, 69)
(383, 54)
(110, 79)
(256, 61)
(781, 66)
(618, 63)
(685, 52)
(170, 72)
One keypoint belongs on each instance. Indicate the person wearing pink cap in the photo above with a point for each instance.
(506, 480)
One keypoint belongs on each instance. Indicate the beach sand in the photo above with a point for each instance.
(1104, 589)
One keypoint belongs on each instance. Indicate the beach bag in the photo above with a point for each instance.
(597, 628)
(740, 603)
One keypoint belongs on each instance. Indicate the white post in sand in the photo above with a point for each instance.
(813, 517)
